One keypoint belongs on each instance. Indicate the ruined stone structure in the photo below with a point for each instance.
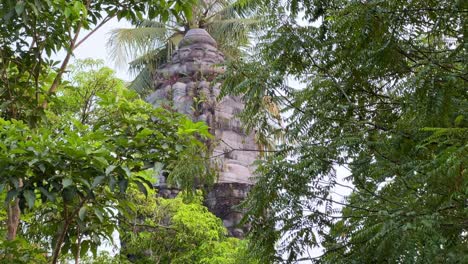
(188, 84)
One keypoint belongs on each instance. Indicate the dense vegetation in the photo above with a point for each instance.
(77, 146)
(383, 95)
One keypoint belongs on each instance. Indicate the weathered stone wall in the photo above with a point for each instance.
(223, 200)
(188, 84)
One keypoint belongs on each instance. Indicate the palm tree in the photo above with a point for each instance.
(151, 43)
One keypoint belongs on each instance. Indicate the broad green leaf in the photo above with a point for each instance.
(84, 248)
(144, 133)
(147, 182)
(11, 195)
(123, 184)
(69, 194)
(142, 188)
(66, 182)
(110, 169)
(48, 195)
(82, 212)
(127, 171)
(19, 8)
(30, 197)
(15, 182)
(101, 160)
(112, 183)
(67, 12)
(97, 181)
(84, 182)
(99, 214)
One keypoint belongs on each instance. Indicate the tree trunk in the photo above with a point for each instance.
(78, 247)
(13, 219)
(14, 216)
(61, 237)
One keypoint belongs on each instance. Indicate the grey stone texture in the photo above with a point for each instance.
(188, 84)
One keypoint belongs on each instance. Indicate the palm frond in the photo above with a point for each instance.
(128, 43)
(146, 23)
(236, 9)
(232, 34)
(144, 66)
(143, 82)
(154, 58)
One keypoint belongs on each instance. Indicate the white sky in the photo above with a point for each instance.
(95, 47)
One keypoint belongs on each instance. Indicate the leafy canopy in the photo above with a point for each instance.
(70, 171)
(30, 35)
(179, 230)
(384, 97)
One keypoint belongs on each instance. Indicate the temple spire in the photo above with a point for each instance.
(187, 83)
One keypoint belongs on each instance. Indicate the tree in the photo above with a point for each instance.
(74, 170)
(385, 97)
(179, 230)
(152, 42)
(28, 76)
(27, 43)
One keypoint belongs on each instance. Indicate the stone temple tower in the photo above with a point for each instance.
(188, 83)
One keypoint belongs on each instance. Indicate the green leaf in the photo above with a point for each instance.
(99, 214)
(49, 196)
(82, 212)
(147, 182)
(67, 12)
(110, 169)
(84, 248)
(11, 195)
(68, 194)
(101, 160)
(19, 8)
(123, 184)
(15, 182)
(93, 248)
(77, 6)
(112, 183)
(42, 167)
(459, 120)
(144, 133)
(142, 188)
(66, 182)
(34, 8)
(127, 171)
(98, 180)
(30, 197)
(84, 182)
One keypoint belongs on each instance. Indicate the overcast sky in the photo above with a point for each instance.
(95, 47)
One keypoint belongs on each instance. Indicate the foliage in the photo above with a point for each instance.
(179, 230)
(28, 74)
(385, 97)
(21, 252)
(71, 149)
(70, 172)
(105, 258)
